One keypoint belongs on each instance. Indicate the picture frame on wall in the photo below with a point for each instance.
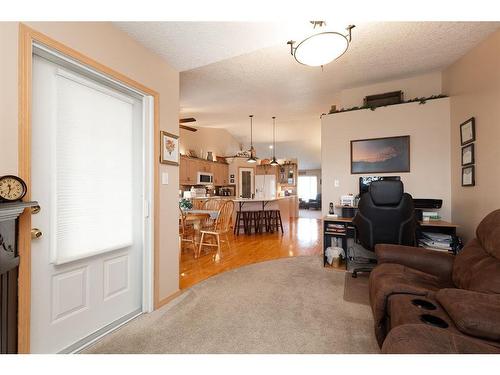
(169, 148)
(380, 155)
(468, 131)
(468, 176)
(468, 155)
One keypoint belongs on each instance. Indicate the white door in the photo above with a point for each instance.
(87, 175)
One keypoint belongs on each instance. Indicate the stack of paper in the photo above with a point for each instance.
(436, 241)
(430, 215)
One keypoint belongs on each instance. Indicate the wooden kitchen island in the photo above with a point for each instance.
(288, 206)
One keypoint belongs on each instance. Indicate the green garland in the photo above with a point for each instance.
(422, 100)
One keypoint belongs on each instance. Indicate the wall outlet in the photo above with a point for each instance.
(336, 183)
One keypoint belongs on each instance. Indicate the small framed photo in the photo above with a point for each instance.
(169, 153)
(468, 155)
(468, 131)
(468, 178)
(231, 176)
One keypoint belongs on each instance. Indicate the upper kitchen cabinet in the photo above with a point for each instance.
(188, 169)
(288, 174)
(266, 169)
(221, 172)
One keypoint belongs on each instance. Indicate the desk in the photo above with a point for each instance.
(343, 229)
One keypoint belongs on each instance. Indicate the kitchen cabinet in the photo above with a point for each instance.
(288, 174)
(189, 168)
(266, 169)
(205, 166)
(221, 172)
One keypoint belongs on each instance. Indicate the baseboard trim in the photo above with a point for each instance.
(166, 300)
(97, 335)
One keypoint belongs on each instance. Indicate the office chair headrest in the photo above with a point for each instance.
(386, 193)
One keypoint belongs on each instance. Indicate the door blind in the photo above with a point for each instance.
(92, 158)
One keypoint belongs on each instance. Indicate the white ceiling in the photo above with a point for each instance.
(246, 68)
(189, 45)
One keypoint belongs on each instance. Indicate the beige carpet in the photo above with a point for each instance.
(356, 289)
(290, 305)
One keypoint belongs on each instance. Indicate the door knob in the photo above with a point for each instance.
(36, 233)
(35, 209)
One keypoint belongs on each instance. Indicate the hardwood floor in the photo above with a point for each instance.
(301, 237)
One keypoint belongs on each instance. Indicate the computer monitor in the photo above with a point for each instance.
(364, 182)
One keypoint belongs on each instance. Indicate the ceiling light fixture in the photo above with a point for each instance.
(252, 158)
(274, 161)
(321, 48)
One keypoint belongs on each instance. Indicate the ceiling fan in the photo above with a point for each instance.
(187, 120)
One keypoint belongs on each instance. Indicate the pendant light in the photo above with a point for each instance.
(274, 161)
(252, 159)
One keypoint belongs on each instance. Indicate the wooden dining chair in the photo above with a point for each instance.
(220, 229)
(186, 231)
(212, 205)
(198, 204)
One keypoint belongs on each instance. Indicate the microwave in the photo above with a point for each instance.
(205, 178)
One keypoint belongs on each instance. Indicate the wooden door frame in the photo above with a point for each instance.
(27, 36)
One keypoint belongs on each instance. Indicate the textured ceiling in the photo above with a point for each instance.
(266, 81)
(189, 45)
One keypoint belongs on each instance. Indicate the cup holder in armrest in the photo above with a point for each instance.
(423, 304)
(433, 321)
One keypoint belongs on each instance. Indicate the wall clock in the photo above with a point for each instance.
(12, 188)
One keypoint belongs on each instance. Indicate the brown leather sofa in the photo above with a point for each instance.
(424, 301)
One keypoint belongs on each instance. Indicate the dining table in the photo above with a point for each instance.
(196, 217)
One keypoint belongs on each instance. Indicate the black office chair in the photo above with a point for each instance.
(385, 215)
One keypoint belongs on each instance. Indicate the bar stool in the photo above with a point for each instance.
(241, 221)
(273, 221)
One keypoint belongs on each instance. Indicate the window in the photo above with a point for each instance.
(308, 187)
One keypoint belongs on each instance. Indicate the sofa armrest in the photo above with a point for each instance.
(436, 263)
(474, 313)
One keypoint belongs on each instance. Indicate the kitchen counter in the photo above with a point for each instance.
(288, 206)
(262, 199)
(216, 197)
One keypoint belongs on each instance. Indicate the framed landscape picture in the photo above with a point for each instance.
(169, 153)
(380, 155)
(468, 131)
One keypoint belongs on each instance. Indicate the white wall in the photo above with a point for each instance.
(219, 141)
(427, 125)
(413, 87)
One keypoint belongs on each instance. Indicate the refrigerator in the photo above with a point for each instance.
(265, 186)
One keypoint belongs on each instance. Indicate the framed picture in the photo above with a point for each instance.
(169, 152)
(380, 155)
(468, 155)
(468, 178)
(468, 131)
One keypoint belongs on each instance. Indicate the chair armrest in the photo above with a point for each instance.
(474, 313)
(436, 263)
